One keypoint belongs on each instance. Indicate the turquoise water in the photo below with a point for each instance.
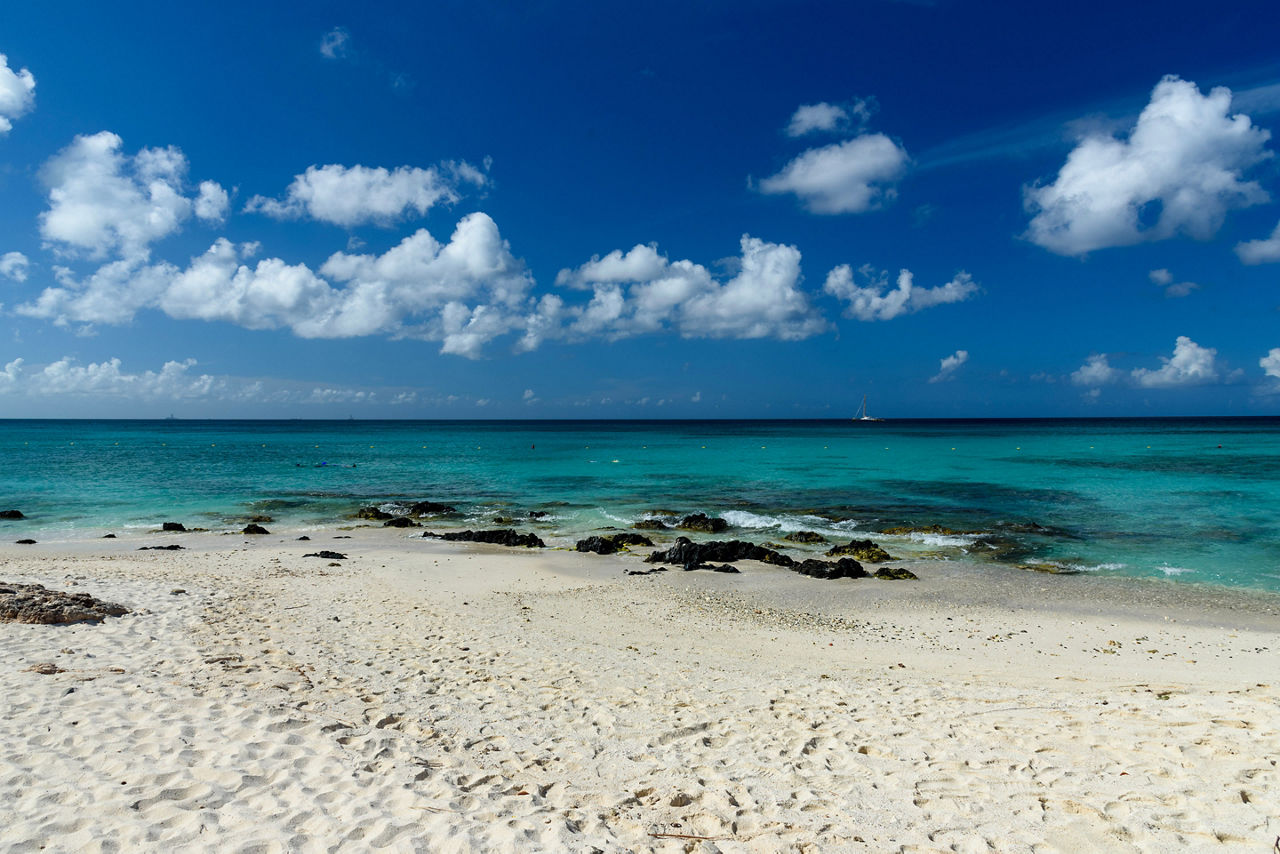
(1191, 499)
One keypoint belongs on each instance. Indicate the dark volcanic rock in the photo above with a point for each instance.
(254, 528)
(805, 537)
(327, 555)
(651, 525)
(32, 603)
(173, 526)
(500, 537)
(503, 520)
(27, 542)
(304, 537)
(11, 514)
(537, 514)
(372, 513)
(172, 548)
(846, 567)
(925, 529)
(860, 550)
(896, 573)
(704, 523)
(400, 522)
(430, 508)
(108, 536)
(261, 520)
(693, 555)
(611, 543)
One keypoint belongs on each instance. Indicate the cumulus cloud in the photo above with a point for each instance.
(874, 302)
(1180, 171)
(463, 293)
(948, 366)
(14, 265)
(335, 44)
(17, 94)
(1096, 371)
(103, 201)
(641, 291)
(65, 377)
(1164, 279)
(1270, 363)
(1264, 251)
(1190, 364)
(853, 176)
(212, 203)
(353, 195)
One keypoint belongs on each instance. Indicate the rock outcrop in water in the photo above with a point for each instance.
(33, 603)
(430, 508)
(373, 514)
(864, 550)
(11, 514)
(500, 537)
(651, 525)
(693, 555)
(176, 527)
(703, 523)
(805, 537)
(610, 543)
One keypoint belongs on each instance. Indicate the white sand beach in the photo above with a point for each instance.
(429, 696)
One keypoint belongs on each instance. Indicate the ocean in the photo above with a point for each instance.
(1190, 499)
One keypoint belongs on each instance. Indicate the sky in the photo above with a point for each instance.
(741, 209)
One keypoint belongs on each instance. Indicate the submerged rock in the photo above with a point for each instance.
(693, 555)
(896, 573)
(864, 550)
(537, 514)
(500, 537)
(327, 555)
(704, 523)
(173, 526)
(903, 530)
(503, 520)
(805, 537)
(11, 514)
(254, 528)
(372, 513)
(1051, 568)
(33, 603)
(610, 543)
(261, 520)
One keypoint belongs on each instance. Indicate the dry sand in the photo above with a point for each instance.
(424, 696)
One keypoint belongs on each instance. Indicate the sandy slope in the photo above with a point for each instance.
(424, 696)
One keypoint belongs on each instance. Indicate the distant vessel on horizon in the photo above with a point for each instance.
(862, 412)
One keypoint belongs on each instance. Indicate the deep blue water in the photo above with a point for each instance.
(1188, 498)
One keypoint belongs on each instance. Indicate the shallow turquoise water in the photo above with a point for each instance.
(1191, 499)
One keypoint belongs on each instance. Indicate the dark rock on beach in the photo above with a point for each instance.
(896, 573)
(26, 542)
(33, 603)
(304, 537)
(500, 537)
(693, 555)
(863, 550)
(327, 555)
(173, 526)
(610, 543)
(372, 513)
(11, 514)
(400, 522)
(805, 537)
(173, 548)
(651, 525)
(846, 567)
(704, 523)
(254, 528)
(108, 536)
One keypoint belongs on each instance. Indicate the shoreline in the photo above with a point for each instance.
(441, 696)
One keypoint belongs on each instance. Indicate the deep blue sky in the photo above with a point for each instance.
(1086, 197)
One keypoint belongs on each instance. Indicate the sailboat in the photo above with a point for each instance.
(862, 412)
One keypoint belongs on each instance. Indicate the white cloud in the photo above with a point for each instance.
(846, 177)
(817, 117)
(1270, 363)
(1264, 251)
(9, 376)
(1095, 372)
(1191, 364)
(17, 93)
(948, 366)
(872, 302)
(349, 196)
(335, 44)
(1164, 279)
(1179, 172)
(464, 293)
(14, 265)
(66, 377)
(103, 201)
(641, 291)
(212, 203)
